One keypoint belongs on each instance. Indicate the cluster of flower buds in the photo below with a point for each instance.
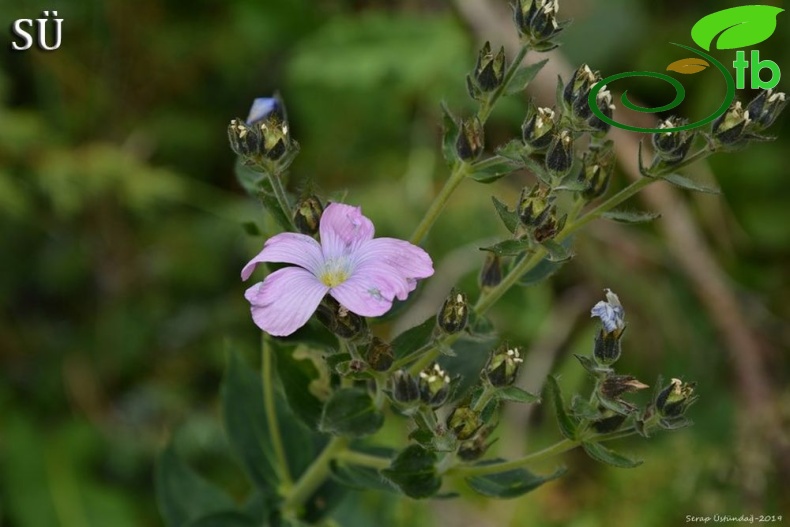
(739, 125)
(597, 167)
(340, 320)
(503, 365)
(434, 386)
(607, 341)
(672, 147)
(538, 213)
(307, 215)
(263, 138)
(536, 21)
(454, 313)
(538, 128)
(470, 141)
(489, 72)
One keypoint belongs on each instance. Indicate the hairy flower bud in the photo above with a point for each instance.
(469, 144)
(607, 342)
(729, 129)
(766, 107)
(673, 400)
(503, 365)
(434, 385)
(538, 128)
(307, 215)
(533, 206)
(379, 355)
(559, 158)
(614, 386)
(490, 68)
(264, 135)
(672, 147)
(536, 21)
(464, 422)
(405, 389)
(491, 272)
(454, 314)
(340, 320)
(597, 168)
(578, 89)
(603, 100)
(245, 140)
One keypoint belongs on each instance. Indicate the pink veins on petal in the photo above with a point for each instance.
(364, 274)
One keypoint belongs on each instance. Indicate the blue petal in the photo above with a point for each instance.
(261, 108)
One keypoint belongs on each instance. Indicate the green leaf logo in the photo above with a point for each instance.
(739, 27)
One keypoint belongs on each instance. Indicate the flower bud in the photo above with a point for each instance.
(265, 132)
(609, 423)
(469, 144)
(307, 215)
(491, 272)
(559, 157)
(597, 168)
(490, 68)
(729, 128)
(379, 355)
(603, 100)
(533, 206)
(538, 128)
(244, 140)
(536, 21)
(476, 447)
(607, 342)
(503, 365)
(673, 400)
(616, 385)
(578, 89)
(551, 227)
(672, 147)
(464, 422)
(766, 107)
(454, 314)
(405, 389)
(434, 386)
(340, 320)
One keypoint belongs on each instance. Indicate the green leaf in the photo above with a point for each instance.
(558, 252)
(591, 366)
(513, 150)
(603, 455)
(515, 394)
(182, 494)
(738, 27)
(509, 247)
(248, 432)
(492, 169)
(686, 183)
(449, 135)
(509, 484)
(224, 519)
(524, 76)
(508, 217)
(413, 339)
(360, 478)
(297, 376)
(258, 185)
(627, 216)
(414, 472)
(545, 268)
(582, 409)
(566, 423)
(350, 411)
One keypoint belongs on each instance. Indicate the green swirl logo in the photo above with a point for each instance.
(735, 27)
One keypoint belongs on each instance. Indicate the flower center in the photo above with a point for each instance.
(334, 273)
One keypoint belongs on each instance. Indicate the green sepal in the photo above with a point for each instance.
(509, 484)
(414, 472)
(566, 423)
(351, 412)
(609, 457)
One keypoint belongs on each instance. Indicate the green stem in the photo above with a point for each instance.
(433, 353)
(485, 301)
(482, 470)
(315, 475)
(458, 174)
(488, 392)
(267, 379)
(282, 197)
(365, 460)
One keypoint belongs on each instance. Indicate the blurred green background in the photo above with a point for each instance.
(122, 238)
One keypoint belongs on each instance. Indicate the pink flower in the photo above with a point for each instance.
(363, 274)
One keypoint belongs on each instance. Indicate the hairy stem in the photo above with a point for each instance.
(267, 379)
(315, 475)
(437, 206)
(282, 198)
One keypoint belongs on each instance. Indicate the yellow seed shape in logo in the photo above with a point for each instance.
(688, 66)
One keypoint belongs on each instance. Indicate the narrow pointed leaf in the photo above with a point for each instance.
(509, 484)
(516, 394)
(508, 217)
(351, 412)
(629, 216)
(524, 76)
(413, 339)
(686, 183)
(449, 135)
(493, 169)
(508, 247)
(609, 457)
(566, 423)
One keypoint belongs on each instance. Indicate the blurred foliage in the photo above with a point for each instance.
(121, 240)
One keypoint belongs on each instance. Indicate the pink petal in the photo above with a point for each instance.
(288, 247)
(369, 294)
(285, 300)
(342, 229)
(405, 259)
